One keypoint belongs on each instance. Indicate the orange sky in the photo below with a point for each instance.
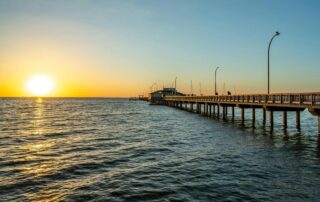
(73, 72)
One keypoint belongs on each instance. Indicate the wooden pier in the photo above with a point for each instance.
(140, 97)
(210, 105)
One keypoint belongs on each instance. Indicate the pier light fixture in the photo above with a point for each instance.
(175, 85)
(215, 81)
(275, 34)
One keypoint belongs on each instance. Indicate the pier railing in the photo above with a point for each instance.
(306, 99)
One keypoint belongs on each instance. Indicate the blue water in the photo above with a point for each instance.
(120, 150)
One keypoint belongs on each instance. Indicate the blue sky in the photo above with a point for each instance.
(138, 43)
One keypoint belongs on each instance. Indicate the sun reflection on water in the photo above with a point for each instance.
(39, 100)
(38, 147)
(36, 153)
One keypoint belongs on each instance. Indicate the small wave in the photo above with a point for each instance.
(20, 185)
(150, 195)
(58, 134)
(74, 170)
(20, 162)
(71, 132)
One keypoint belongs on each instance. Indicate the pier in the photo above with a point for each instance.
(268, 103)
(140, 97)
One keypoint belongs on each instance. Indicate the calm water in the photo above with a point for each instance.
(119, 150)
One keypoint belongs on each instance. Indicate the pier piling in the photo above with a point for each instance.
(271, 119)
(284, 119)
(298, 119)
(318, 124)
(232, 113)
(242, 116)
(264, 116)
(253, 116)
(206, 109)
(226, 116)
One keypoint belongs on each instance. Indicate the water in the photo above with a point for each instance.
(119, 150)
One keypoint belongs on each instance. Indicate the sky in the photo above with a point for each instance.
(102, 48)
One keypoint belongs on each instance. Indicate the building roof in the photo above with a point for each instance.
(167, 91)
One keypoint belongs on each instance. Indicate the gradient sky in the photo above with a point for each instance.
(119, 48)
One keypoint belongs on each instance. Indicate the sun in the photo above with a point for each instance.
(40, 85)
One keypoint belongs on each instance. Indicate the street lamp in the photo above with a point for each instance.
(275, 34)
(175, 85)
(215, 81)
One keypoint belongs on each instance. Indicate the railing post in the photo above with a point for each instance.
(312, 100)
(290, 99)
(273, 99)
(266, 99)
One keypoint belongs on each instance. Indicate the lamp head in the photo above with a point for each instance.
(277, 33)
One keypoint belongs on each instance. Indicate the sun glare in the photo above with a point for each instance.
(40, 85)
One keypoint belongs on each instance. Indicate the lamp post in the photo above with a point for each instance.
(175, 85)
(275, 34)
(215, 81)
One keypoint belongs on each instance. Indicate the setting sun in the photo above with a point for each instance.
(40, 85)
